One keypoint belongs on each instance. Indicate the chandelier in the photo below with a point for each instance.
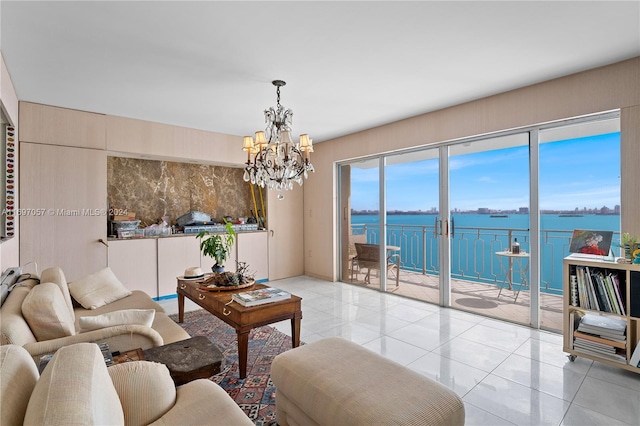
(277, 162)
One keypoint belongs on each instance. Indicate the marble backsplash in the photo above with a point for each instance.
(153, 188)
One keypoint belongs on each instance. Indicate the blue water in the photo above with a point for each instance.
(477, 237)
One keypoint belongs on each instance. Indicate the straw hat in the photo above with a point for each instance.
(192, 273)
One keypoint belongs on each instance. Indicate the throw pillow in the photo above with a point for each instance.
(47, 313)
(56, 276)
(145, 389)
(123, 317)
(98, 289)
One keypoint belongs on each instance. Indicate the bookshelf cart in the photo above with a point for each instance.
(629, 295)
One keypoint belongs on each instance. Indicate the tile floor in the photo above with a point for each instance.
(506, 374)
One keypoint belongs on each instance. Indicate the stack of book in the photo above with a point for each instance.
(597, 289)
(603, 336)
(261, 296)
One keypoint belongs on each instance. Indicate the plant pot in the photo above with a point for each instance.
(217, 269)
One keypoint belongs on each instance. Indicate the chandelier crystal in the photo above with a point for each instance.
(273, 160)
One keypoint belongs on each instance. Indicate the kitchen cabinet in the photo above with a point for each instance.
(135, 263)
(152, 264)
(172, 143)
(61, 126)
(253, 248)
(174, 256)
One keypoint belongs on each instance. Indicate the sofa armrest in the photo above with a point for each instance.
(203, 402)
(120, 338)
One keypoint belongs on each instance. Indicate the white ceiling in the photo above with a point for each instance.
(348, 65)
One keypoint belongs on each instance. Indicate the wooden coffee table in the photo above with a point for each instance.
(242, 319)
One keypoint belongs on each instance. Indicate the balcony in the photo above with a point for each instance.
(477, 274)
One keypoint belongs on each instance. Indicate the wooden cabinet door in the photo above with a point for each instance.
(253, 249)
(286, 233)
(63, 208)
(175, 254)
(61, 126)
(135, 263)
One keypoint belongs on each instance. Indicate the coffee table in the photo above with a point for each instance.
(190, 359)
(242, 319)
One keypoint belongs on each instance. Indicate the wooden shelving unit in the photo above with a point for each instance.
(629, 280)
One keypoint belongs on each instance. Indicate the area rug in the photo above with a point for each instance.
(256, 393)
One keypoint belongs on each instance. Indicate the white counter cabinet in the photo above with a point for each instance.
(135, 263)
(152, 264)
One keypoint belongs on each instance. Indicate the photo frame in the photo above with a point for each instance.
(590, 242)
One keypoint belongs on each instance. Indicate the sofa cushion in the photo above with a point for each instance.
(136, 300)
(75, 389)
(98, 289)
(123, 317)
(145, 389)
(13, 326)
(18, 377)
(56, 276)
(193, 396)
(47, 313)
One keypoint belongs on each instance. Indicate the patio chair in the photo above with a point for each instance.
(368, 256)
(354, 268)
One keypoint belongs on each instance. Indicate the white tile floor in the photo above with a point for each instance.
(506, 374)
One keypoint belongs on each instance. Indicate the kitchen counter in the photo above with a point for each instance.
(152, 237)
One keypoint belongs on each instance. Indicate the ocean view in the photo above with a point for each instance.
(478, 236)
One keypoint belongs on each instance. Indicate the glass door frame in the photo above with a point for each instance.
(444, 234)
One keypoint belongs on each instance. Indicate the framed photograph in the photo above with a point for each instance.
(596, 243)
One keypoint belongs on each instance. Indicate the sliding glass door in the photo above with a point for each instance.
(579, 186)
(482, 224)
(489, 215)
(412, 213)
(360, 222)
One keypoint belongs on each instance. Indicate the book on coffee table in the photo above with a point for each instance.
(261, 296)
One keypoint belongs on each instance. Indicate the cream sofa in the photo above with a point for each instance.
(77, 388)
(58, 321)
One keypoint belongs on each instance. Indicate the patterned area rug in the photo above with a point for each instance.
(256, 393)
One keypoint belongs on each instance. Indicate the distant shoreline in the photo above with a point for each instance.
(397, 213)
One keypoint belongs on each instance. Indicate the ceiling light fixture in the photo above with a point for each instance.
(277, 162)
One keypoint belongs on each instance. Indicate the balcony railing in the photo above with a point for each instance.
(473, 251)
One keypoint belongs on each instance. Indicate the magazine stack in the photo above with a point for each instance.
(602, 335)
(261, 296)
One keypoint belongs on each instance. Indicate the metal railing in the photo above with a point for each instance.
(473, 251)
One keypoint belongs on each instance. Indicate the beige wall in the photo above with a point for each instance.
(607, 88)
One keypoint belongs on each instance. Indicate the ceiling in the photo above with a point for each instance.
(349, 66)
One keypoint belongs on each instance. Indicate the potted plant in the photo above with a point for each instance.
(629, 243)
(217, 246)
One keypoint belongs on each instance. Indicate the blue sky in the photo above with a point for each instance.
(582, 172)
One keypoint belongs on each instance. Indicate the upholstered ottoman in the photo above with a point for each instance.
(337, 382)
